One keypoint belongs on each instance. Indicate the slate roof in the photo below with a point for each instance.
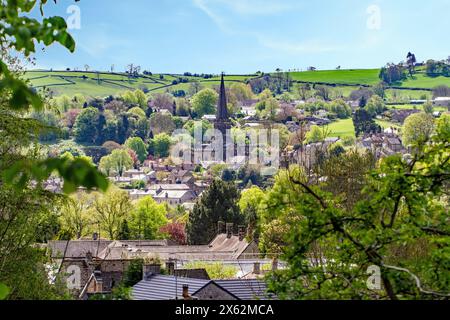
(173, 194)
(142, 193)
(169, 187)
(221, 248)
(163, 287)
(249, 102)
(79, 248)
(245, 289)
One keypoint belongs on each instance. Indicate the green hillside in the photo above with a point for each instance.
(421, 80)
(103, 84)
(356, 77)
(366, 77)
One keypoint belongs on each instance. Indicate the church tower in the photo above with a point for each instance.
(222, 111)
(222, 122)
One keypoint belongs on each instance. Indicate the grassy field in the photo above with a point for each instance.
(418, 107)
(421, 80)
(360, 76)
(345, 128)
(366, 77)
(92, 84)
(386, 124)
(242, 78)
(102, 84)
(400, 95)
(342, 128)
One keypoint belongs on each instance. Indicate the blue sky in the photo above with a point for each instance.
(243, 36)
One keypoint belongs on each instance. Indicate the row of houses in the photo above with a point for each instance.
(184, 284)
(168, 287)
(99, 265)
(383, 144)
(177, 187)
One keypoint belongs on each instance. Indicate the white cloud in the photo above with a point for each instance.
(216, 10)
(217, 19)
(222, 11)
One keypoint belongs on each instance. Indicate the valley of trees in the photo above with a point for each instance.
(330, 223)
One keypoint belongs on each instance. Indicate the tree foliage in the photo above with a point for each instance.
(399, 223)
(117, 162)
(147, 218)
(176, 231)
(215, 270)
(218, 203)
(137, 145)
(364, 123)
(161, 145)
(110, 209)
(417, 128)
(204, 102)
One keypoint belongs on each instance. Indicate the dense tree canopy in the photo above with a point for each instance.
(137, 145)
(117, 162)
(86, 128)
(316, 134)
(364, 122)
(398, 225)
(147, 219)
(162, 123)
(375, 105)
(218, 203)
(110, 210)
(417, 128)
(161, 145)
(205, 102)
(28, 209)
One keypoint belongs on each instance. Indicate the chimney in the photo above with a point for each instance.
(150, 269)
(220, 227)
(99, 286)
(98, 281)
(241, 232)
(229, 228)
(186, 295)
(256, 268)
(88, 256)
(170, 267)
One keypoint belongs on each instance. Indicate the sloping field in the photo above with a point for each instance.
(103, 83)
(342, 128)
(367, 77)
(421, 80)
(95, 84)
(351, 77)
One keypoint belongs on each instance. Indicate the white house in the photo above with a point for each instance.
(442, 101)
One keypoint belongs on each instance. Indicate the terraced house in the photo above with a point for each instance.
(105, 261)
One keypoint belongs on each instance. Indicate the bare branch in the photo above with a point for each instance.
(418, 282)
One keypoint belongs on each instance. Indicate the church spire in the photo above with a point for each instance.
(222, 111)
